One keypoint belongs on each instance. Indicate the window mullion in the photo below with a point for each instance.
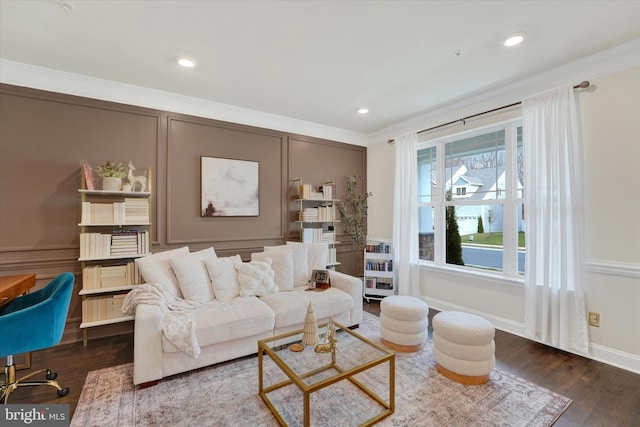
(438, 211)
(509, 212)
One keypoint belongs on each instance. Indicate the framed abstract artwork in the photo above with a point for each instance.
(229, 187)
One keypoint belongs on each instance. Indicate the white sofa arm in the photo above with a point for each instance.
(147, 345)
(352, 286)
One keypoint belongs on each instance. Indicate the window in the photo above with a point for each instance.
(470, 199)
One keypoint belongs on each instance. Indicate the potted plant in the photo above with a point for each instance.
(111, 174)
(353, 211)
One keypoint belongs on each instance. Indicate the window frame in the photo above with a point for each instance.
(510, 201)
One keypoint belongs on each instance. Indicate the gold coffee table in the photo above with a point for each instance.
(310, 371)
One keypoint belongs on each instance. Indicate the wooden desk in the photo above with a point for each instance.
(10, 288)
(13, 286)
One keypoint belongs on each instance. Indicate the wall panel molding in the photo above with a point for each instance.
(46, 136)
(190, 138)
(612, 268)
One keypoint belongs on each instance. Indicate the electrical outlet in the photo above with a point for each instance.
(594, 319)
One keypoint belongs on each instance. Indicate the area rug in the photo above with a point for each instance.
(227, 395)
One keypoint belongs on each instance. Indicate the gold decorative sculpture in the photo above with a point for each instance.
(310, 335)
(330, 341)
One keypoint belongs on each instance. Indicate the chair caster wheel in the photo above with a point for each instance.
(63, 392)
(51, 375)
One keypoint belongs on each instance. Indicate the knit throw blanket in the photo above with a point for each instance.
(178, 324)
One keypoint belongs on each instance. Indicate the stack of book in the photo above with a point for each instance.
(129, 242)
(116, 305)
(100, 277)
(318, 235)
(136, 211)
(102, 213)
(320, 213)
(308, 215)
(328, 236)
(104, 307)
(120, 243)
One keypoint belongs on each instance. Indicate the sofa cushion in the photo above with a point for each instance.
(218, 322)
(224, 277)
(282, 265)
(192, 275)
(156, 268)
(291, 307)
(300, 261)
(317, 256)
(256, 278)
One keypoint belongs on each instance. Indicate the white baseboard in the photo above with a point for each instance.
(610, 356)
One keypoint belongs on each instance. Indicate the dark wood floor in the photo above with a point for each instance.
(602, 395)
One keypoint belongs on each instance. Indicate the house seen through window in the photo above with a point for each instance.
(470, 199)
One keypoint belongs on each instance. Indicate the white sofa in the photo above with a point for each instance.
(228, 325)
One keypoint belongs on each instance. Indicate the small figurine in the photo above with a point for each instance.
(133, 180)
(330, 344)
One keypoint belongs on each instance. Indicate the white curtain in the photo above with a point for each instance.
(405, 216)
(554, 297)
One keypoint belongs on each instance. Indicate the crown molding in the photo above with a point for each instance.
(35, 77)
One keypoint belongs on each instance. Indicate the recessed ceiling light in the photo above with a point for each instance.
(513, 39)
(186, 62)
(363, 111)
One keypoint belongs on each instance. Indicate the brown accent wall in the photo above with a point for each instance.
(44, 137)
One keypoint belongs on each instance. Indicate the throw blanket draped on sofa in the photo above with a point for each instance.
(179, 324)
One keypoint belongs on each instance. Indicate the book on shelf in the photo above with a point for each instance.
(379, 265)
(136, 210)
(131, 211)
(332, 258)
(370, 282)
(113, 276)
(317, 214)
(378, 247)
(87, 171)
(318, 235)
(102, 213)
(328, 190)
(118, 243)
(103, 307)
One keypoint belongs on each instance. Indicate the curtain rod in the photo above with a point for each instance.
(581, 85)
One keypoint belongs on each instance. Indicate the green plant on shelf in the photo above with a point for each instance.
(111, 170)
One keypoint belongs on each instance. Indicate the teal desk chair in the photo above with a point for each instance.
(33, 322)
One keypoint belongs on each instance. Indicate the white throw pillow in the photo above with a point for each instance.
(156, 268)
(317, 255)
(282, 265)
(300, 262)
(192, 275)
(224, 277)
(256, 278)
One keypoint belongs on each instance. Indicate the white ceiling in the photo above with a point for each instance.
(317, 61)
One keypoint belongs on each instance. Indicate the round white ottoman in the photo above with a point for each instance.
(463, 347)
(403, 322)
